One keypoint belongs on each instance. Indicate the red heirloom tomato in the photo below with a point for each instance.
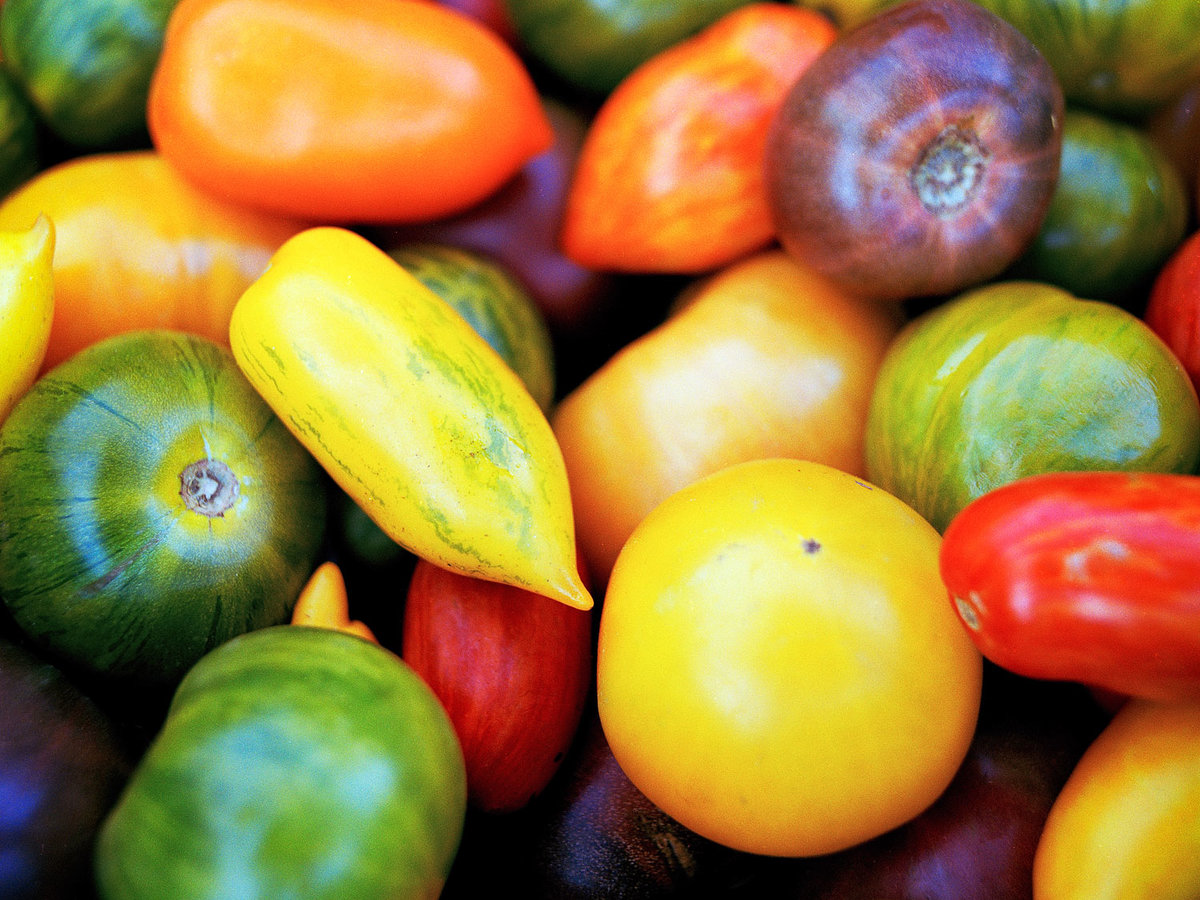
(1173, 310)
(513, 670)
(377, 110)
(918, 154)
(670, 178)
(1084, 576)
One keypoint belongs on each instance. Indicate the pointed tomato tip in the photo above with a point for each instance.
(573, 593)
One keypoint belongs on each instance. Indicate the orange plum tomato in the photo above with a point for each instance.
(373, 111)
(778, 668)
(1124, 827)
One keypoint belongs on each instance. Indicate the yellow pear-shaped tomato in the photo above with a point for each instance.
(26, 307)
(411, 412)
(765, 358)
(778, 666)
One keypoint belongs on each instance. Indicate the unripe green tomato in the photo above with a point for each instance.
(1119, 209)
(1017, 378)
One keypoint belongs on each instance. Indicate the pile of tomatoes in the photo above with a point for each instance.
(714, 448)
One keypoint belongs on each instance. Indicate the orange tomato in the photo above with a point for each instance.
(670, 177)
(1125, 825)
(371, 111)
(778, 668)
(139, 247)
(765, 358)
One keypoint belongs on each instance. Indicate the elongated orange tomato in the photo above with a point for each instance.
(372, 111)
(670, 177)
(138, 247)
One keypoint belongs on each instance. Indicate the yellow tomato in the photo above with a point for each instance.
(779, 668)
(1126, 825)
(765, 358)
(410, 411)
(26, 307)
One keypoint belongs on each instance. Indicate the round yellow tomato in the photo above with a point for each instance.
(779, 668)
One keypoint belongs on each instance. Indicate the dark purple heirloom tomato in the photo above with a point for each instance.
(918, 154)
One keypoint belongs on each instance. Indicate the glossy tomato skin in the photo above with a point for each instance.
(385, 110)
(765, 358)
(128, 226)
(670, 178)
(513, 670)
(1173, 309)
(594, 44)
(1124, 827)
(1119, 210)
(1016, 378)
(1084, 576)
(918, 153)
(1126, 58)
(778, 669)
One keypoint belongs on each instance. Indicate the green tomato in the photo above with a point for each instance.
(594, 44)
(86, 64)
(493, 301)
(1017, 378)
(293, 762)
(1120, 208)
(151, 506)
(1125, 57)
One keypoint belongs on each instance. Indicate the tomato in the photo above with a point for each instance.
(1084, 576)
(593, 44)
(139, 247)
(1173, 308)
(293, 762)
(1124, 826)
(410, 411)
(1125, 58)
(26, 307)
(380, 110)
(765, 358)
(777, 666)
(151, 507)
(1120, 208)
(917, 155)
(1016, 378)
(513, 671)
(670, 178)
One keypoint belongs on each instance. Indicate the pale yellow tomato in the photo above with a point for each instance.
(779, 667)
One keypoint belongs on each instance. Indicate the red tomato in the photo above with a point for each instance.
(1091, 577)
(671, 174)
(1173, 310)
(513, 670)
(377, 110)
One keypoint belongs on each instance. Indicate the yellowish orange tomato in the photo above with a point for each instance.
(1125, 825)
(778, 666)
(766, 358)
(138, 247)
